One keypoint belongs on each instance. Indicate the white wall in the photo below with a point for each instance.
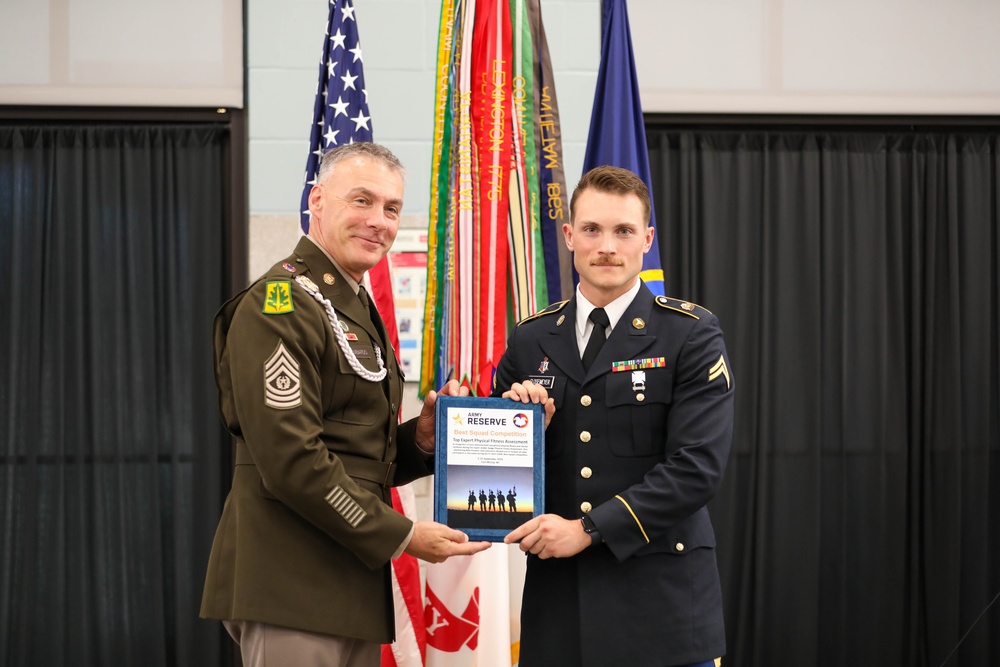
(812, 56)
(121, 53)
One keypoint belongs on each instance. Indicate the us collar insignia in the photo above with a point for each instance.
(329, 278)
(636, 364)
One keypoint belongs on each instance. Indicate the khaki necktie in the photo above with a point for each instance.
(372, 313)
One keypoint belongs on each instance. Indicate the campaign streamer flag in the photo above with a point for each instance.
(341, 116)
(552, 180)
(498, 202)
(489, 188)
(617, 134)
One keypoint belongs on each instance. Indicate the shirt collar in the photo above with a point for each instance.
(350, 281)
(615, 309)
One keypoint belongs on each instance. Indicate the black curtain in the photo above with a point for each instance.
(113, 262)
(855, 273)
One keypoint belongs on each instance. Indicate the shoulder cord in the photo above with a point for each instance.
(338, 333)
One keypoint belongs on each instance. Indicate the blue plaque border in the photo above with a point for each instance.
(472, 526)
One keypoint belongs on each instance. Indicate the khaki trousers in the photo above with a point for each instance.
(266, 645)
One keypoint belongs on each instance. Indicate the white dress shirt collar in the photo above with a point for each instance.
(615, 310)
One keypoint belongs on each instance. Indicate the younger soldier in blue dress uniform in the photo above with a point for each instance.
(622, 569)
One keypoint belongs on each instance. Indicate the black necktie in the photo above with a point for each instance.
(597, 336)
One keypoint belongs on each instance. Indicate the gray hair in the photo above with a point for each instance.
(367, 149)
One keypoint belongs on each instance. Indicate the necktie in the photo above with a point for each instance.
(372, 313)
(597, 336)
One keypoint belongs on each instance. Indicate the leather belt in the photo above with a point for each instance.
(357, 467)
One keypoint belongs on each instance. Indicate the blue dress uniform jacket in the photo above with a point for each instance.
(642, 454)
(307, 532)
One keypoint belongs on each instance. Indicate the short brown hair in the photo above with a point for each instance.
(376, 152)
(613, 180)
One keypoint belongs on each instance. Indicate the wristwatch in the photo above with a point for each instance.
(590, 529)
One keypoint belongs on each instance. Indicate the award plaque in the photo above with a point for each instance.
(489, 466)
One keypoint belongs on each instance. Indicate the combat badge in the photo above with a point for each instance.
(278, 297)
(282, 388)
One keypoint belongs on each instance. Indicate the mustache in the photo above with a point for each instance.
(606, 261)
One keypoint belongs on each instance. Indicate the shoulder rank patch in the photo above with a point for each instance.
(686, 307)
(553, 308)
(278, 297)
(282, 387)
(720, 369)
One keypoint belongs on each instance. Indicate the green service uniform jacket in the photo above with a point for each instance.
(307, 532)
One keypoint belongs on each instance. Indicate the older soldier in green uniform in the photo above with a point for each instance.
(310, 389)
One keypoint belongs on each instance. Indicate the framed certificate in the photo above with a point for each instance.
(489, 466)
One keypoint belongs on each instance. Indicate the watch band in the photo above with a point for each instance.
(591, 529)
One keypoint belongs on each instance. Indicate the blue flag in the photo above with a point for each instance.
(617, 135)
(340, 112)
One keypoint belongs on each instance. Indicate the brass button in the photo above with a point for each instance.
(640, 397)
(584, 436)
(586, 472)
(585, 400)
(679, 546)
(585, 507)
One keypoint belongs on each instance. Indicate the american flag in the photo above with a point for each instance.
(340, 112)
(340, 116)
